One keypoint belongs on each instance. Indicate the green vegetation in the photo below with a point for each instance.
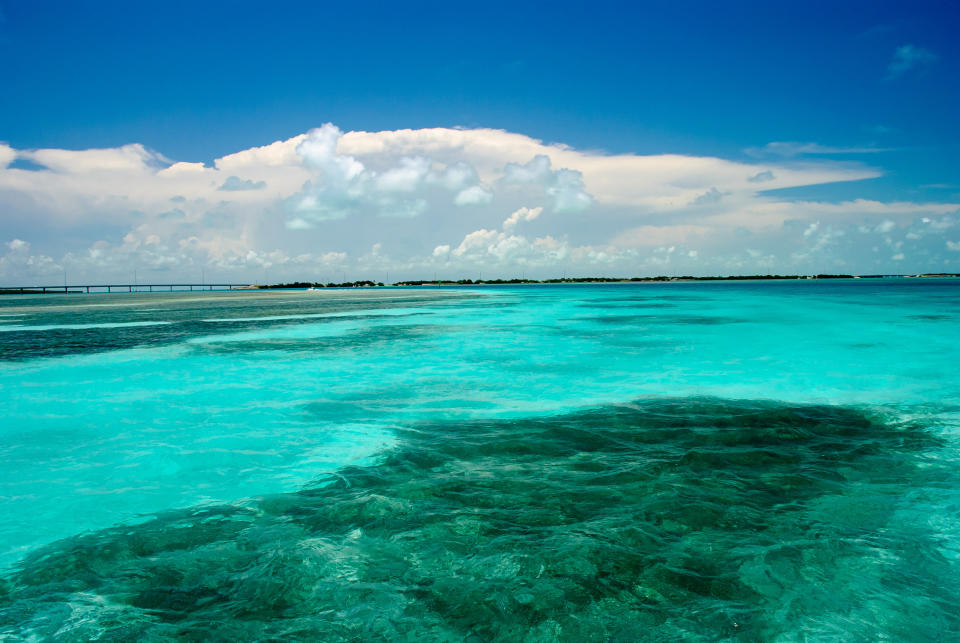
(590, 280)
(305, 284)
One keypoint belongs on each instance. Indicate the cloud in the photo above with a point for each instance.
(395, 186)
(522, 214)
(711, 196)
(319, 150)
(457, 198)
(502, 249)
(406, 177)
(403, 209)
(664, 235)
(456, 176)
(473, 195)
(131, 158)
(565, 186)
(789, 149)
(885, 226)
(298, 223)
(910, 58)
(236, 184)
(7, 155)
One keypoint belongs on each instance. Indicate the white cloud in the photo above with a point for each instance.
(277, 154)
(406, 177)
(404, 209)
(7, 155)
(457, 176)
(473, 195)
(521, 214)
(791, 149)
(652, 236)
(537, 170)
(565, 186)
(478, 240)
(908, 58)
(503, 250)
(131, 158)
(299, 224)
(319, 150)
(665, 181)
(885, 226)
(434, 195)
(711, 196)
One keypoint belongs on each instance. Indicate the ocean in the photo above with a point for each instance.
(702, 461)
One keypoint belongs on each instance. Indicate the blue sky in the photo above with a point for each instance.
(845, 85)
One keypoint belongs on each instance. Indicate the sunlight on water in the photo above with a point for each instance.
(765, 461)
(25, 329)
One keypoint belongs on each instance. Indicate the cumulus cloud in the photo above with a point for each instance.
(910, 58)
(521, 214)
(456, 176)
(499, 249)
(565, 186)
(457, 198)
(396, 186)
(406, 177)
(473, 195)
(339, 183)
(319, 150)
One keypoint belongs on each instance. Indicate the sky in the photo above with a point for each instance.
(251, 142)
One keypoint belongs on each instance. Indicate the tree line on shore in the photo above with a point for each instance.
(579, 280)
(493, 282)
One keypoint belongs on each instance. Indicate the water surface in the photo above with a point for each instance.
(753, 461)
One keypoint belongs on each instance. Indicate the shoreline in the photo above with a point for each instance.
(79, 290)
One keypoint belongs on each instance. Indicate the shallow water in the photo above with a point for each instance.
(753, 461)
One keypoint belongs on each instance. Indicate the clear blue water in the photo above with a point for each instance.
(744, 461)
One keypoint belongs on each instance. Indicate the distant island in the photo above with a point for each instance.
(307, 285)
(585, 280)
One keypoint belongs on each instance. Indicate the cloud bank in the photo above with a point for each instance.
(328, 204)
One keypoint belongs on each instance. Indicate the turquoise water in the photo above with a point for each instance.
(707, 461)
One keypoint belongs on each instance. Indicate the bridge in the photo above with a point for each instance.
(104, 288)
